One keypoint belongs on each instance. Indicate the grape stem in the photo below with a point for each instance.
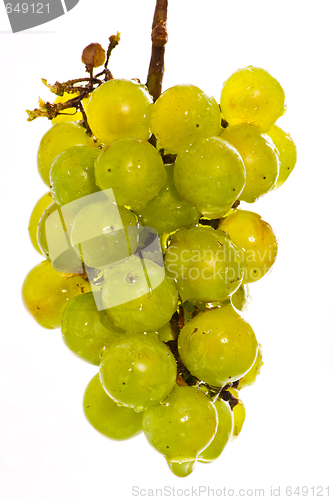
(113, 42)
(85, 119)
(159, 38)
(87, 85)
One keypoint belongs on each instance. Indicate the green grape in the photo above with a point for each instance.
(138, 370)
(119, 108)
(182, 425)
(72, 174)
(182, 469)
(251, 95)
(166, 333)
(36, 214)
(210, 174)
(239, 414)
(218, 346)
(182, 114)
(223, 433)
(133, 169)
(286, 152)
(240, 298)
(54, 231)
(260, 159)
(84, 331)
(256, 240)
(168, 211)
(60, 137)
(251, 376)
(111, 420)
(103, 233)
(204, 263)
(138, 296)
(46, 293)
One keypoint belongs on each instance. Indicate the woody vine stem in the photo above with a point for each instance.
(159, 39)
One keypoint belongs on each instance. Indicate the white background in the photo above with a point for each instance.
(48, 451)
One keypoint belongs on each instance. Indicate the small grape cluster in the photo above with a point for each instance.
(149, 257)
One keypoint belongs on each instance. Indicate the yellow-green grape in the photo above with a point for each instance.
(182, 114)
(119, 108)
(251, 376)
(103, 234)
(286, 152)
(60, 137)
(223, 433)
(204, 263)
(53, 235)
(69, 114)
(181, 426)
(260, 159)
(218, 346)
(239, 414)
(240, 298)
(168, 211)
(138, 370)
(46, 293)
(113, 421)
(252, 95)
(133, 169)
(210, 175)
(72, 174)
(182, 469)
(138, 296)
(256, 240)
(35, 216)
(166, 333)
(85, 330)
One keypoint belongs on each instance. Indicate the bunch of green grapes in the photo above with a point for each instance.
(149, 257)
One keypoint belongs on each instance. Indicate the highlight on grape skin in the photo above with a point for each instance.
(148, 254)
